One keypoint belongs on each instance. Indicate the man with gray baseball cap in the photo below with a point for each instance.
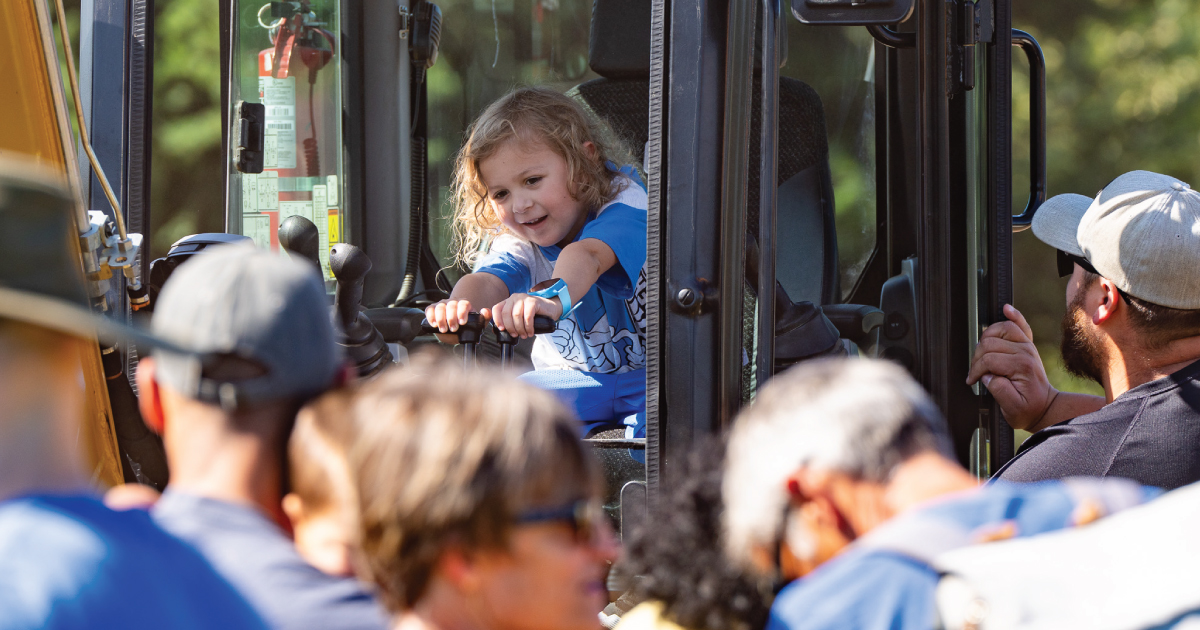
(261, 323)
(1132, 325)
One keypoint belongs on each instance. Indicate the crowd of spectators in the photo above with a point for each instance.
(434, 498)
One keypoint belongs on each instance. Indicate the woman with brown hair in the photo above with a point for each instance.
(479, 506)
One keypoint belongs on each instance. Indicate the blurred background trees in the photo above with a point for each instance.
(1124, 93)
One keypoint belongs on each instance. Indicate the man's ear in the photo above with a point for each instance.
(293, 507)
(1110, 302)
(150, 396)
(805, 485)
(819, 490)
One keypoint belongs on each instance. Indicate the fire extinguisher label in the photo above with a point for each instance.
(278, 97)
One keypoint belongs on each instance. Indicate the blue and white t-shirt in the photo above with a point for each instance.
(606, 333)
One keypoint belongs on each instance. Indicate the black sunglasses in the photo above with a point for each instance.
(1066, 267)
(582, 516)
(1067, 262)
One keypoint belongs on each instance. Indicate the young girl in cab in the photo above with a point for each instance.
(567, 232)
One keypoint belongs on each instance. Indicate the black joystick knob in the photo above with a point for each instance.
(300, 237)
(541, 325)
(362, 340)
(350, 266)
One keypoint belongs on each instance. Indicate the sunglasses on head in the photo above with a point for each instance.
(583, 517)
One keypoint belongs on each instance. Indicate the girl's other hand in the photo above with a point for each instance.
(516, 313)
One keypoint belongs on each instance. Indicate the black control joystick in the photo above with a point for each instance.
(363, 343)
(300, 237)
(469, 335)
(541, 325)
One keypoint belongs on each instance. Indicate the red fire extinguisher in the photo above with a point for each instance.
(299, 104)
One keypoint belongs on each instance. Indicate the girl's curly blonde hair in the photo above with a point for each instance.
(530, 115)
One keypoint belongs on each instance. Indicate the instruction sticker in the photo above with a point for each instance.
(278, 97)
(267, 185)
(292, 208)
(331, 185)
(321, 217)
(249, 193)
(257, 227)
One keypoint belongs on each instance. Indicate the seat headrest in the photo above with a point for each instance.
(619, 46)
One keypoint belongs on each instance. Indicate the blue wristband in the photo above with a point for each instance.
(558, 290)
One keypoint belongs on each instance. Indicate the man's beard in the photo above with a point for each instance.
(1083, 354)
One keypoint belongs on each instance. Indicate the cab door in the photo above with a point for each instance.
(917, 126)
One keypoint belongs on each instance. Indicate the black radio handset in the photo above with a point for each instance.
(426, 36)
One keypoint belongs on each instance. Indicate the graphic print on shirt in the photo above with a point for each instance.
(587, 338)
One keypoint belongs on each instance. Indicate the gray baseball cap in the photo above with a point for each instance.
(258, 325)
(1142, 232)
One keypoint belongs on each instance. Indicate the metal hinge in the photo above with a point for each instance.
(406, 20)
(971, 23)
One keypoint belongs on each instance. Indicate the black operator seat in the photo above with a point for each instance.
(807, 261)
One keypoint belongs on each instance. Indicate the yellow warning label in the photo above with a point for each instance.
(335, 226)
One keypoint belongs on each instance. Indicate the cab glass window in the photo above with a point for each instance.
(287, 56)
(489, 47)
(839, 63)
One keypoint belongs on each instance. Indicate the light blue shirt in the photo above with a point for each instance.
(69, 562)
(884, 582)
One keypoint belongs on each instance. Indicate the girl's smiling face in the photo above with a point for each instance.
(529, 187)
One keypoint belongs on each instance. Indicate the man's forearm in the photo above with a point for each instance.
(1067, 405)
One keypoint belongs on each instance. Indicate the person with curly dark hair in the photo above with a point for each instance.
(683, 577)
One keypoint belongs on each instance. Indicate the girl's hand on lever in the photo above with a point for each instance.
(515, 314)
(447, 316)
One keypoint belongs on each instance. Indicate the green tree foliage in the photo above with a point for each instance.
(187, 194)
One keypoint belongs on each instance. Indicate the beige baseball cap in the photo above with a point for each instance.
(1142, 232)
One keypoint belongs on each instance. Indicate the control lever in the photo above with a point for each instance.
(469, 334)
(541, 325)
(362, 341)
(854, 321)
(397, 324)
(300, 237)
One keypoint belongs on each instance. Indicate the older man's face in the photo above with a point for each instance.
(816, 528)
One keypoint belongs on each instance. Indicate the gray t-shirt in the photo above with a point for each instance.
(1150, 434)
(251, 552)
